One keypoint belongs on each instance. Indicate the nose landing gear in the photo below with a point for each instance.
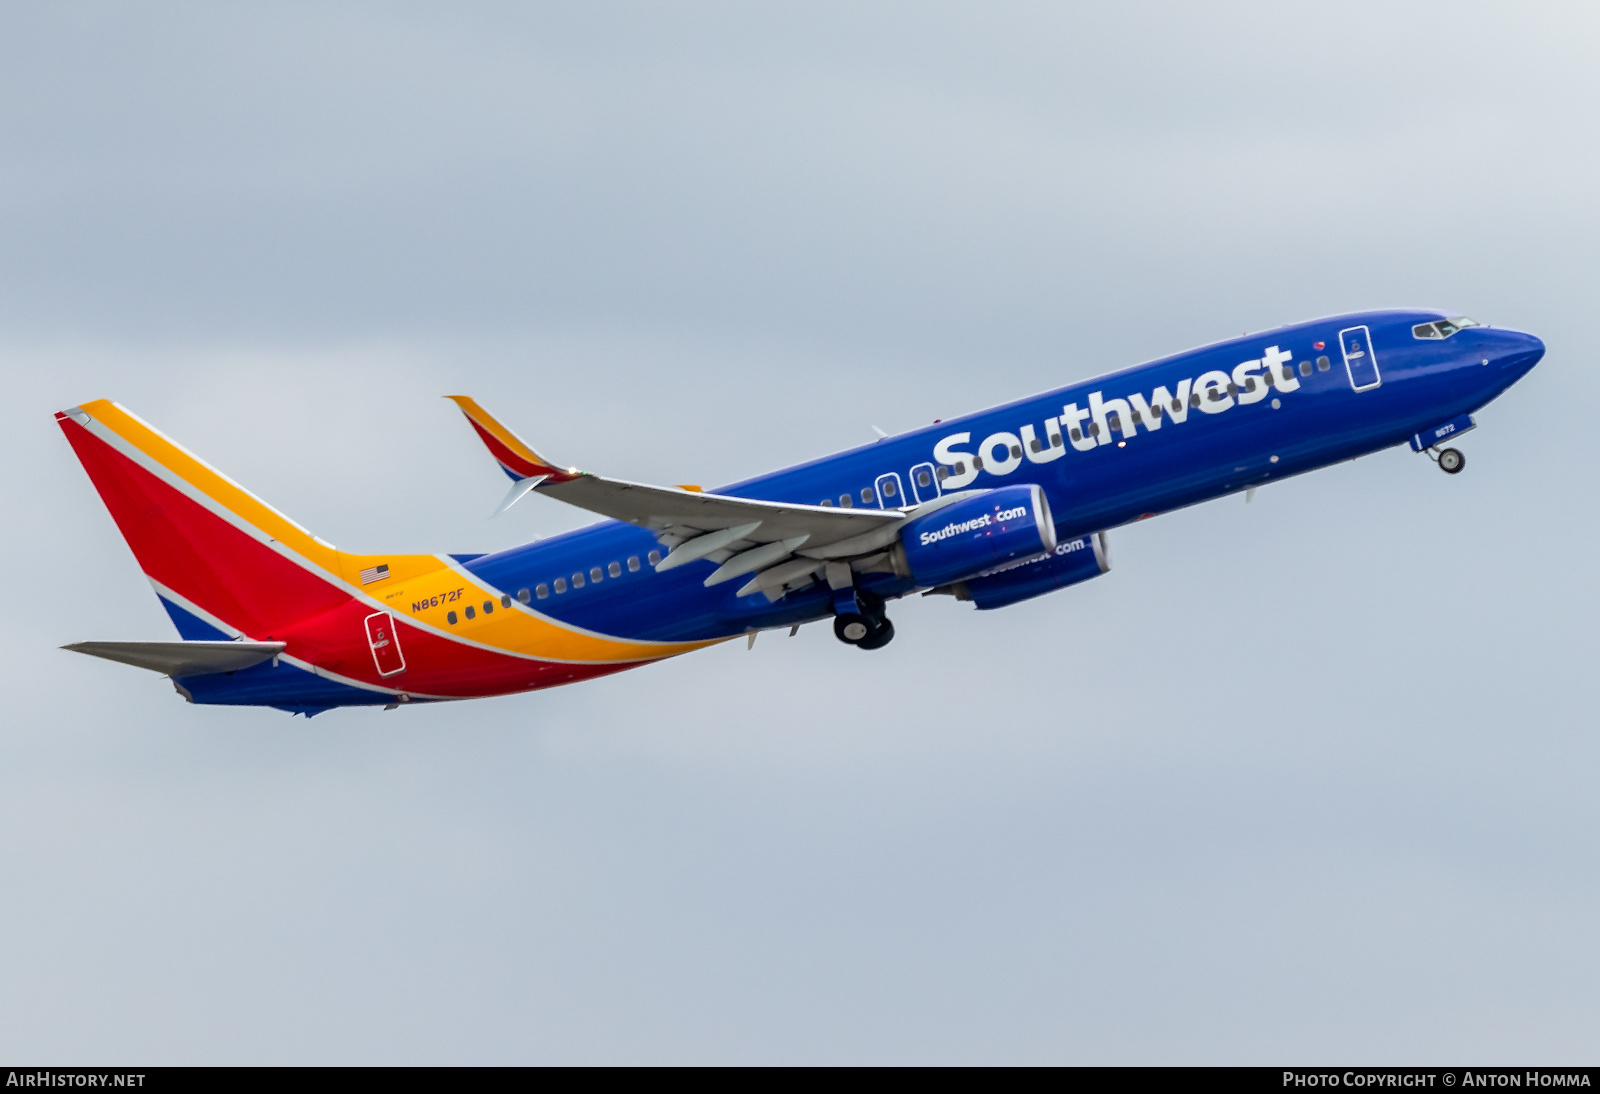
(1450, 460)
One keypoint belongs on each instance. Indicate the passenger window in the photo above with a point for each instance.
(1194, 398)
(543, 591)
(1322, 364)
(655, 557)
(844, 501)
(1305, 368)
(1233, 389)
(828, 502)
(614, 569)
(1077, 434)
(561, 585)
(866, 495)
(1155, 411)
(522, 594)
(470, 612)
(923, 479)
(488, 607)
(943, 473)
(1036, 445)
(1177, 405)
(633, 564)
(450, 618)
(505, 600)
(977, 462)
(960, 467)
(594, 574)
(577, 580)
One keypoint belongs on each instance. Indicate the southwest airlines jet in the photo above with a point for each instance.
(994, 508)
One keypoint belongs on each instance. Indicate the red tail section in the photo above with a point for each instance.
(190, 548)
(418, 623)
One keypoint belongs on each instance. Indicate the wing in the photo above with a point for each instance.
(784, 545)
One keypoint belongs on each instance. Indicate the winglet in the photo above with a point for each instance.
(518, 491)
(514, 455)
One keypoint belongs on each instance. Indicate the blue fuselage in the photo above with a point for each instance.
(1156, 437)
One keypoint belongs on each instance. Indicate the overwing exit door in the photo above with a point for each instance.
(385, 642)
(1360, 361)
(890, 496)
(924, 482)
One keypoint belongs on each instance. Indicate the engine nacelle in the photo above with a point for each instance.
(969, 537)
(1071, 562)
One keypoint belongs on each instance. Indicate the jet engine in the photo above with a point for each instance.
(1070, 562)
(1008, 525)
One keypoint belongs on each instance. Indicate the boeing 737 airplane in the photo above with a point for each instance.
(993, 508)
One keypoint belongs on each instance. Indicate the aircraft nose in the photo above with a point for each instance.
(1514, 351)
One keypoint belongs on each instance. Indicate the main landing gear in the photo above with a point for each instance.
(1450, 460)
(859, 621)
(866, 632)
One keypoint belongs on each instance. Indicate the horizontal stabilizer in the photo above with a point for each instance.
(182, 658)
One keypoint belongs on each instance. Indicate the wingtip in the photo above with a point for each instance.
(517, 458)
(519, 490)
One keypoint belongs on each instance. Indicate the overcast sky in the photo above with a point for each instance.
(1308, 779)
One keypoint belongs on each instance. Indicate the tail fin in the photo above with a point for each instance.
(225, 563)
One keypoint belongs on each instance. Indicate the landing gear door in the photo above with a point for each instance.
(1360, 360)
(924, 482)
(385, 643)
(890, 495)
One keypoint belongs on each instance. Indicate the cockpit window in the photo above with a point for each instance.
(1442, 329)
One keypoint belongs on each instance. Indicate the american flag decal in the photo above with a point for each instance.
(376, 573)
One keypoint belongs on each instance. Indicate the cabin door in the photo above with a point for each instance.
(1360, 362)
(924, 482)
(385, 642)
